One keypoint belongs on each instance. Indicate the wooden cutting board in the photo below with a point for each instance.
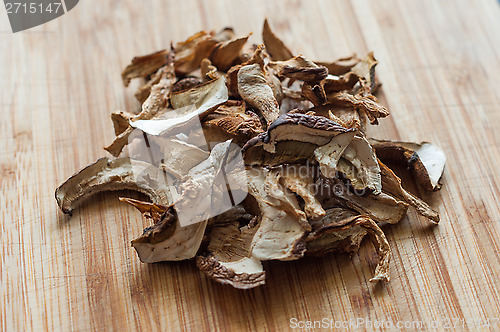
(440, 68)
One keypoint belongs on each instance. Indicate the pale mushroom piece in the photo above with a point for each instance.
(188, 106)
(179, 233)
(229, 259)
(365, 71)
(157, 101)
(425, 160)
(279, 235)
(180, 157)
(274, 45)
(299, 68)
(109, 175)
(145, 65)
(256, 90)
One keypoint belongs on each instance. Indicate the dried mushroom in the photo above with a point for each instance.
(248, 153)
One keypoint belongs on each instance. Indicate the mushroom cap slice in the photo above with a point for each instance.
(145, 65)
(229, 259)
(299, 134)
(425, 160)
(117, 174)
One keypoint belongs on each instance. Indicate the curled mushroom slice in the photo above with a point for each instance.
(392, 184)
(383, 207)
(229, 259)
(425, 160)
(340, 66)
(256, 90)
(108, 175)
(190, 53)
(368, 104)
(347, 234)
(299, 68)
(145, 65)
(167, 240)
(365, 71)
(226, 54)
(292, 129)
(188, 106)
(275, 47)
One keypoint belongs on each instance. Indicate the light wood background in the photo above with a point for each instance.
(440, 66)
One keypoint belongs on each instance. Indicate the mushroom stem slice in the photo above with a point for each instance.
(255, 88)
(108, 175)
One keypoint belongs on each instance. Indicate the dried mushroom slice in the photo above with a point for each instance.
(293, 130)
(145, 65)
(347, 234)
(392, 184)
(275, 47)
(108, 175)
(368, 104)
(188, 106)
(383, 208)
(299, 68)
(280, 235)
(226, 54)
(256, 89)
(300, 180)
(231, 120)
(180, 157)
(157, 101)
(425, 160)
(229, 259)
(167, 240)
(340, 66)
(190, 53)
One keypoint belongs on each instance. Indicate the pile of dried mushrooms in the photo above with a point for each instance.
(314, 182)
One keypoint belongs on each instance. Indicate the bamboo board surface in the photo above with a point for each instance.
(439, 62)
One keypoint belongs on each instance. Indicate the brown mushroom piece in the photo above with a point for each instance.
(145, 65)
(274, 45)
(291, 138)
(299, 68)
(109, 175)
(425, 160)
(343, 230)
